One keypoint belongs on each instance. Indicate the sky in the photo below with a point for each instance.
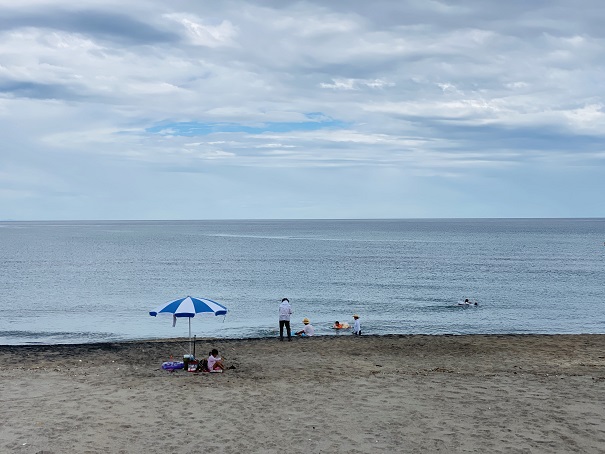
(275, 109)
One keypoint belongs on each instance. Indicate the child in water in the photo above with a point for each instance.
(338, 325)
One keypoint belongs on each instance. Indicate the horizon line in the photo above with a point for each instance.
(309, 219)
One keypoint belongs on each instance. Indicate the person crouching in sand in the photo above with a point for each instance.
(215, 363)
(308, 330)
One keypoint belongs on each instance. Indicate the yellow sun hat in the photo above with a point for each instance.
(306, 320)
(355, 316)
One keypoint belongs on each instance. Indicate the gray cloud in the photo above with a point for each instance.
(99, 24)
(416, 92)
(26, 89)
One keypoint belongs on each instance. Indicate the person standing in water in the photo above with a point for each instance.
(356, 326)
(285, 311)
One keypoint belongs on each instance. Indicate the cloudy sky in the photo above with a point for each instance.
(194, 109)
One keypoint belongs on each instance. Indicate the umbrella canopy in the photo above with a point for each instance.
(190, 307)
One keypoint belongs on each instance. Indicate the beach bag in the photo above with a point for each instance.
(172, 365)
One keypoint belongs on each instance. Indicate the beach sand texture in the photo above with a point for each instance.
(331, 394)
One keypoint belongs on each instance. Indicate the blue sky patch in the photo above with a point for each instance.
(317, 121)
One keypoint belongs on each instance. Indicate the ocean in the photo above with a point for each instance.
(74, 282)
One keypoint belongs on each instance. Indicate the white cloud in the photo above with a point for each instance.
(310, 23)
(355, 84)
(419, 89)
(201, 34)
(589, 119)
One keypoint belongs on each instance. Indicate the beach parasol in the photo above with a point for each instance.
(189, 307)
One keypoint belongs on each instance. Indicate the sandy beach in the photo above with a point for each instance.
(482, 394)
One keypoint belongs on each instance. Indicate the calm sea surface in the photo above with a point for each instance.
(68, 282)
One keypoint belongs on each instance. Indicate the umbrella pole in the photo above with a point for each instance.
(189, 335)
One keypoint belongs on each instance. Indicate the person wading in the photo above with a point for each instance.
(285, 311)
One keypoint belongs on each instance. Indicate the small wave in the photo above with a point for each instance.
(262, 237)
(308, 238)
(52, 337)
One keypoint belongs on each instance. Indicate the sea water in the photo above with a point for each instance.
(71, 282)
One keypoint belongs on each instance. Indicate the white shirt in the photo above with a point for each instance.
(285, 310)
(211, 361)
(309, 330)
(356, 326)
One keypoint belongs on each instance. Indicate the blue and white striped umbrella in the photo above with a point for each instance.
(190, 307)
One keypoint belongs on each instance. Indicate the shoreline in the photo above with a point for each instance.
(374, 393)
(260, 338)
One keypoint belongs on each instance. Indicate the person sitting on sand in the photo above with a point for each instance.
(215, 363)
(308, 330)
(356, 326)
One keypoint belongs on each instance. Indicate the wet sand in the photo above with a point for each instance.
(481, 394)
